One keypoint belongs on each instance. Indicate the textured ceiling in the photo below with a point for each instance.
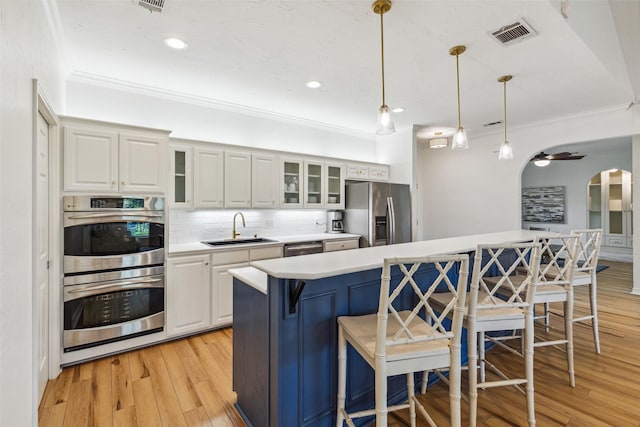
(258, 54)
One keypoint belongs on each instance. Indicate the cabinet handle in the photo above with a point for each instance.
(113, 183)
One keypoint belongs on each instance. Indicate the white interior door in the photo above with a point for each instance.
(42, 249)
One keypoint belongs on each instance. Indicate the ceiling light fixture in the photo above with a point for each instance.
(439, 142)
(460, 141)
(313, 84)
(542, 162)
(175, 43)
(385, 121)
(506, 153)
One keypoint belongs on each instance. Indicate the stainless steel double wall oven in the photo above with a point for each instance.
(114, 276)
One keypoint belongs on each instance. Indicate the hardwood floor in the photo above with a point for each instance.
(188, 382)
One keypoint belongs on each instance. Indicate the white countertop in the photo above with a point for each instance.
(198, 247)
(318, 266)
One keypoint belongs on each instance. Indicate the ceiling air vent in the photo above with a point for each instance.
(514, 33)
(152, 5)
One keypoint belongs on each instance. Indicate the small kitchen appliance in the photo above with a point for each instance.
(334, 222)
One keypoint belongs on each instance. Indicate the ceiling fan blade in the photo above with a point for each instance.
(567, 158)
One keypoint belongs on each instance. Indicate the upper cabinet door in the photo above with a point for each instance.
(181, 177)
(291, 183)
(90, 160)
(314, 190)
(264, 187)
(142, 166)
(334, 185)
(208, 178)
(237, 179)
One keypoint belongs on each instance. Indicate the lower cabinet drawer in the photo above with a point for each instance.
(265, 253)
(340, 245)
(616, 241)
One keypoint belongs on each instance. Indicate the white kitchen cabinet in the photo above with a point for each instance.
(208, 180)
(180, 192)
(222, 282)
(222, 294)
(340, 245)
(264, 181)
(187, 294)
(314, 184)
(334, 185)
(368, 172)
(237, 179)
(291, 182)
(101, 157)
(610, 207)
(357, 171)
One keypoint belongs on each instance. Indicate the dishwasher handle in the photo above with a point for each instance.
(295, 249)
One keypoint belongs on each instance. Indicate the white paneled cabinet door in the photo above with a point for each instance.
(264, 175)
(237, 179)
(334, 185)
(180, 177)
(222, 294)
(142, 166)
(187, 294)
(90, 160)
(208, 180)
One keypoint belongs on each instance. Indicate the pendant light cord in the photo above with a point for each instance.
(458, 86)
(382, 55)
(505, 111)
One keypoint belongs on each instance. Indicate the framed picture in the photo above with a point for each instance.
(543, 204)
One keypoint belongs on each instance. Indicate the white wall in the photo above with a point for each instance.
(470, 192)
(28, 52)
(574, 176)
(198, 120)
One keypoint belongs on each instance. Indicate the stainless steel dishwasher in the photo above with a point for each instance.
(302, 248)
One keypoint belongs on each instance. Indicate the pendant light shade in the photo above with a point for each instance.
(506, 153)
(460, 141)
(385, 119)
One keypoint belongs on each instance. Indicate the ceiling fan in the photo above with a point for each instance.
(543, 159)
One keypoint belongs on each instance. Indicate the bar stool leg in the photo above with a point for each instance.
(472, 346)
(594, 311)
(342, 376)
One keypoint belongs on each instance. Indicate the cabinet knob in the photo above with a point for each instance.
(122, 183)
(206, 263)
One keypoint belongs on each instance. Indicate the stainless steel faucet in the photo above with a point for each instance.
(235, 234)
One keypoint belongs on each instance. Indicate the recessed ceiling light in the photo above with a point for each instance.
(313, 84)
(175, 43)
(398, 110)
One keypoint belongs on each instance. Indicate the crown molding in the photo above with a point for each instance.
(137, 88)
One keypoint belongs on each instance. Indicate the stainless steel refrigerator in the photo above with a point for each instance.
(380, 212)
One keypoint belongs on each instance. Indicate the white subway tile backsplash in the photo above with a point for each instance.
(189, 226)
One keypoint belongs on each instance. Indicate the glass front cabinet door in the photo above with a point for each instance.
(314, 184)
(335, 173)
(180, 185)
(291, 180)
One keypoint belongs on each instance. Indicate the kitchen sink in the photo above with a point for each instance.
(237, 241)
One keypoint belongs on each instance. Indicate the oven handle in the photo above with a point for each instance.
(108, 287)
(118, 214)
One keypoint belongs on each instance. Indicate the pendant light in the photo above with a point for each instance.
(460, 141)
(506, 153)
(385, 121)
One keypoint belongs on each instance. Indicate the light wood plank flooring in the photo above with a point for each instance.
(188, 382)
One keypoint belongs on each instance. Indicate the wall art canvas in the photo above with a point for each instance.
(543, 204)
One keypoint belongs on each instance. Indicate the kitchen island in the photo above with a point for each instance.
(285, 332)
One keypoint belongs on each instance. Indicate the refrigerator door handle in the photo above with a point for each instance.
(391, 220)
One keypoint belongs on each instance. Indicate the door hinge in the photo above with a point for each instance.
(48, 263)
